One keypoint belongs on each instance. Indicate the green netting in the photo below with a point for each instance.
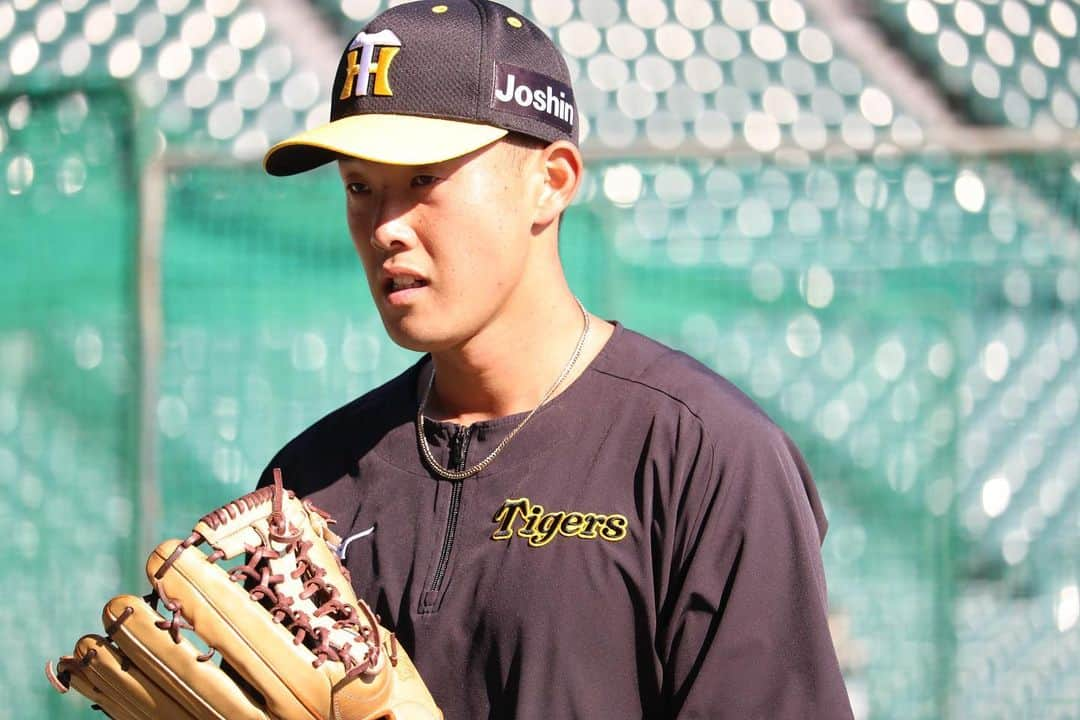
(911, 321)
(68, 380)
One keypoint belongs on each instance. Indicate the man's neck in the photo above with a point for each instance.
(510, 366)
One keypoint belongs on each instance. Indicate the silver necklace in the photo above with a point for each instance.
(468, 472)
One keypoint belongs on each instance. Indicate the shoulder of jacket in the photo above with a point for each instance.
(671, 381)
(372, 410)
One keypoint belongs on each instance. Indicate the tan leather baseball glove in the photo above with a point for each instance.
(296, 641)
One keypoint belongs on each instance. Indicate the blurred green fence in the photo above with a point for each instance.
(911, 320)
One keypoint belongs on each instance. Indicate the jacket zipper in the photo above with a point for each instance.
(459, 449)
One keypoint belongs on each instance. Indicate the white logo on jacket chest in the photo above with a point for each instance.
(340, 550)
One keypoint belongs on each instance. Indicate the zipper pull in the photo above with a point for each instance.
(459, 445)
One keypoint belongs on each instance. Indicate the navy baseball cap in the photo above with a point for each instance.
(428, 81)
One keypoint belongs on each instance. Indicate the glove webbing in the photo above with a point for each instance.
(260, 582)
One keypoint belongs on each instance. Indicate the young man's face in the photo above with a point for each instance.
(443, 246)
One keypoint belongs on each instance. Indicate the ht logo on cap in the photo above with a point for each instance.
(359, 58)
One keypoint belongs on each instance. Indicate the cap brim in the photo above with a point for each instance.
(391, 139)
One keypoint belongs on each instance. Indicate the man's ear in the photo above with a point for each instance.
(562, 168)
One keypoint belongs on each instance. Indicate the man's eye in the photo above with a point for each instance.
(356, 188)
(424, 180)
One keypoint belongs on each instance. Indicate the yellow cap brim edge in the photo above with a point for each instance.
(390, 139)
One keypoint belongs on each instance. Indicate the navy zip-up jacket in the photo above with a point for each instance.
(648, 546)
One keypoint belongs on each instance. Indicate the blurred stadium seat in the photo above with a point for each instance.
(906, 309)
(1009, 62)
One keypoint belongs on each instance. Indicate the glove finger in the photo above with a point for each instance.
(102, 673)
(174, 665)
(260, 650)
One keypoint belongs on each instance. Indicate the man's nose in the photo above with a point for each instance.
(394, 227)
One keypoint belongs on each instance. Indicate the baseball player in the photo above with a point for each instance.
(560, 518)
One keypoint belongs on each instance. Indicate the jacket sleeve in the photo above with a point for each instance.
(743, 631)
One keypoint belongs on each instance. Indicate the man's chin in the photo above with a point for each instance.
(417, 339)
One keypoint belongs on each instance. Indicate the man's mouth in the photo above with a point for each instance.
(400, 288)
(404, 283)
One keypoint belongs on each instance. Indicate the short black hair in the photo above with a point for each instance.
(525, 142)
(522, 144)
